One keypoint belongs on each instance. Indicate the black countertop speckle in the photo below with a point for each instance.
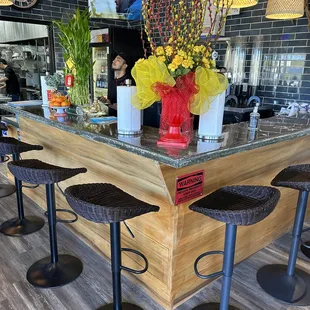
(237, 137)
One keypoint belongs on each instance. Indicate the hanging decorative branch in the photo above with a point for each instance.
(180, 23)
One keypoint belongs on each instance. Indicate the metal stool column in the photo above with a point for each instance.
(288, 283)
(56, 270)
(116, 263)
(51, 214)
(116, 266)
(228, 265)
(235, 206)
(227, 271)
(105, 203)
(22, 225)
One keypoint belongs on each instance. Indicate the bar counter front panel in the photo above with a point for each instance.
(175, 236)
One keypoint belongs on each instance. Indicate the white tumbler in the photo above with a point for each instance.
(128, 117)
(134, 140)
(211, 123)
(207, 146)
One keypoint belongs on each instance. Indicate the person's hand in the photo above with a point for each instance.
(2, 86)
(113, 106)
(104, 100)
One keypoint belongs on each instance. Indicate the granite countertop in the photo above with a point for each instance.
(237, 137)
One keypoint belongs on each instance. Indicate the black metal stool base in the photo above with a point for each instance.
(291, 289)
(16, 227)
(212, 306)
(125, 306)
(306, 250)
(45, 274)
(6, 190)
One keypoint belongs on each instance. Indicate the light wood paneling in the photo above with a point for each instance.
(93, 288)
(197, 233)
(12, 131)
(136, 175)
(175, 236)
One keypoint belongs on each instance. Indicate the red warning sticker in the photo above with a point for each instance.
(189, 186)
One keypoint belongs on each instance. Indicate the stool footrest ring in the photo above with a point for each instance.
(65, 221)
(31, 186)
(139, 254)
(305, 229)
(304, 243)
(211, 275)
(5, 158)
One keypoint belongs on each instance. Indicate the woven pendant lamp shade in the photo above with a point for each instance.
(6, 2)
(238, 4)
(285, 9)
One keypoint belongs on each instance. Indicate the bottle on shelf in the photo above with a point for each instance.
(98, 81)
(102, 82)
(102, 69)
(99, 84)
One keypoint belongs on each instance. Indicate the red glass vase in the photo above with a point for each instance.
(176, 122)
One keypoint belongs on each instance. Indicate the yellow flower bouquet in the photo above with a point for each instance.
(181, 72)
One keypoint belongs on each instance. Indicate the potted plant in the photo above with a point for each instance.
(54, 80)
(49, 84)
(75, 40)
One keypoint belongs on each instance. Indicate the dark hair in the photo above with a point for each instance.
(124, 56)
(3, 61)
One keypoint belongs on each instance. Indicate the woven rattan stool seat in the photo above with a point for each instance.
(238, 205)
(297, 177)
(38, 172)
(105, 203)
(13, 146)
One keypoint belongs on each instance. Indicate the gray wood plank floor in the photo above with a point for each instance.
(93, 288)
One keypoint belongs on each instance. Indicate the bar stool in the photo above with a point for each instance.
(54, 270)
(105, 203)
(3, 128)
(21, 225)
(235, 206)
(287, 283)
(5, 189)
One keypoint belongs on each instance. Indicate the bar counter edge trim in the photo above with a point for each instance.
(175, 163)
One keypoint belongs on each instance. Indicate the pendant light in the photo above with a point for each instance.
(235, 4)
(238, 4)
(285, 9)
(6, 2)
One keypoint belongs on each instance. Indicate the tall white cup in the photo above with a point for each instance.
(211, 123)
(128, 117)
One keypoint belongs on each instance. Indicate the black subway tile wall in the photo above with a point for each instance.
(285, 70)
(286, 45)
(49, 10)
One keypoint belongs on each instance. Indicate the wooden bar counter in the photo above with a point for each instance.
(174, 237)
